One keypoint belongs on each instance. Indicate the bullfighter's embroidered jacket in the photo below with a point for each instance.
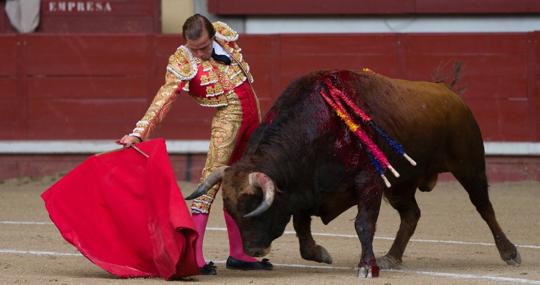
(206, 81)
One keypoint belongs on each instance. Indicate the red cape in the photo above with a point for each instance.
(126, 214)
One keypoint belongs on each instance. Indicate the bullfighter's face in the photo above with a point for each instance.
(201, 47)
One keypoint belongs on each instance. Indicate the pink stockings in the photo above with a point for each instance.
(200, 221)
(236, 249)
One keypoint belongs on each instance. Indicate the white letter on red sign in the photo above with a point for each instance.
(90, 6)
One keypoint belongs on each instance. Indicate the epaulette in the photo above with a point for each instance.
(182, 64)
(224, 32)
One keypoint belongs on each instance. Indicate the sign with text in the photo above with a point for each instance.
(53, 7)
(100, 7)
(100, 16)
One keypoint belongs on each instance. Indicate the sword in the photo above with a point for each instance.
(132, 146)
(139, 151)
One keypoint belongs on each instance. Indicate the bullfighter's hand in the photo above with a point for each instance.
(127, 140)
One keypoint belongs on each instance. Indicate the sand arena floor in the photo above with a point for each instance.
(452, 244)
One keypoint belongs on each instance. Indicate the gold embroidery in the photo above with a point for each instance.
(206, 66)
(183, 64)
(225, 126)
(213, 76)
(186, 68)
(210, 91)
(159, 107)
(218, 79)
(218, 89)
(204, 80)
(224, 32)
(218, 101)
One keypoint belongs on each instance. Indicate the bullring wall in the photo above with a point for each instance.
(92, 86)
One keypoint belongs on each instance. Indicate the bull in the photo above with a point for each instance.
(303, 161)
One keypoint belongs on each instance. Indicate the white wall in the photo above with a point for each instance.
(393, 24)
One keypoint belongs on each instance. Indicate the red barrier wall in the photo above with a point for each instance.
(98, 86)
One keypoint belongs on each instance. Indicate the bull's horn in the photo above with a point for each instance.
(210, 181)
(266, 184)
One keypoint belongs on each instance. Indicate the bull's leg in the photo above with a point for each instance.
(369, 204)
(309, 249)
(476, 185)
(404, 202)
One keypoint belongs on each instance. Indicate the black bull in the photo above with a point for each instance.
(303, 161)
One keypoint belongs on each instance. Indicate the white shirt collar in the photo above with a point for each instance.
(218, 49)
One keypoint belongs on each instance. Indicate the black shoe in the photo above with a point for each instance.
(233, 263)
(208, 269)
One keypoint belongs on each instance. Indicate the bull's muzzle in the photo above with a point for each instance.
(257, 252)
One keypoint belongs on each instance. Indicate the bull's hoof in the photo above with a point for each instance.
(368, 271)
(514, 260)
(388, 262)
(316, 253)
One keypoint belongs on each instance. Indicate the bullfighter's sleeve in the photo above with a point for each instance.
(159, 107)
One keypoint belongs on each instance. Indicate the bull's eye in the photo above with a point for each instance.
(247, 203)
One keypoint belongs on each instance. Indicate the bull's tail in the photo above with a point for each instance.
(450, 78)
